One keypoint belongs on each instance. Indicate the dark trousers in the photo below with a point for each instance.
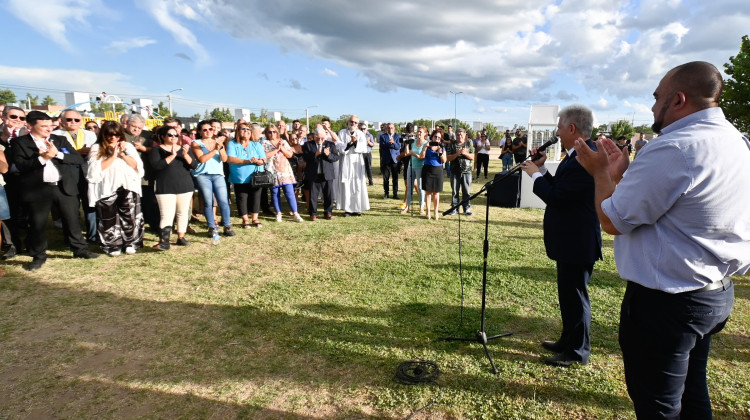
(389, 169)
(38, 211)
(368, 166)
(483, 161)
(120, 220)
(150, 206)
(248, 198)
(575, 309)
(18, 217)
(89, 212)
(318, 186)
(665, 340)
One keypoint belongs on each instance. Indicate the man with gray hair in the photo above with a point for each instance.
(572, 237)
(70, 128)
(320, 157)
(460, 152)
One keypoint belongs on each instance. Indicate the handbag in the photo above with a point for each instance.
(263, 179)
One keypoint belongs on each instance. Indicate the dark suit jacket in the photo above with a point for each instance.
(308, 154)
(26, 158)
(571, 227)
(389, 152)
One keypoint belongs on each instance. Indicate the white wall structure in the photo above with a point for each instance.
(242, 113)
(145, 105)
(277, 116)
(72, 98)
(542, 126)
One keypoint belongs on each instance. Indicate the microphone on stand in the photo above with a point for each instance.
(544, 147)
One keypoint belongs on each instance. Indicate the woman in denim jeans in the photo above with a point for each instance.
(209, 175)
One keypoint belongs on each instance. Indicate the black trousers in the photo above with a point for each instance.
(326, 187)
(38, 211)
(575, 309)
(389, 170)
(483, 161)
(248, 198)
(665, 340)
(150, 206)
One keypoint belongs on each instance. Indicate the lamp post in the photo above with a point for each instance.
(169, 98)
(455, 94)
(307, 115)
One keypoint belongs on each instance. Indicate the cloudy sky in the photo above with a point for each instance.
(385, 60)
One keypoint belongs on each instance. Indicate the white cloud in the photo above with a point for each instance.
(123, 46)
(73, 80)
(330, 72)
(51, 18)
(164, 11)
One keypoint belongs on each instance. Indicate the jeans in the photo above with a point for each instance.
(462, 182)
(665, 340)
(288, 192)
(210, 186)
(507, 161)
(414, 174)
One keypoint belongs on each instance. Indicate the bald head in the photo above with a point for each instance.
(700, 81)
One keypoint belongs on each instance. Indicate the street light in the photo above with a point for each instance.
(454, 109)
(169, 97)
(307, 115)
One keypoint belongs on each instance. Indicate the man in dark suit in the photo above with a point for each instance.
(320, 157)
(390, 148)
(49, 167)
(572, 236)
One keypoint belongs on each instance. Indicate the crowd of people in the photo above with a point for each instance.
(125, 179)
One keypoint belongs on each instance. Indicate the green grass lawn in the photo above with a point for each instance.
(310, 321)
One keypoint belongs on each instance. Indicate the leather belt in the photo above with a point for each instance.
(723, 284)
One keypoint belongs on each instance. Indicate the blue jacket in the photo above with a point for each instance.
(389, 152)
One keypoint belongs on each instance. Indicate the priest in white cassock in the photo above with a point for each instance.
(352, 182)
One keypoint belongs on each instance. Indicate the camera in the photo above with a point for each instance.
(435, 143)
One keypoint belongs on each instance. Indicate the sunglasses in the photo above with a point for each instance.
(73, 119)
(89, 127)
(353, 122)
(16, 117)
(244, 129)
(207, 129)
(272, 131)
(173, 135)
(112, 135)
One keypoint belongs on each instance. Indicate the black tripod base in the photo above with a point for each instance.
(482, 339)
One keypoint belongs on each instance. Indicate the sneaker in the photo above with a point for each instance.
(298, 218)
(278, 217)
(114, 253)
(468, 213)
(182, 242)
(228, 231)
(402, 206)
(453, 213)
(130, 250)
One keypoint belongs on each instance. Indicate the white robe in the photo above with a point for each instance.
(352, 182)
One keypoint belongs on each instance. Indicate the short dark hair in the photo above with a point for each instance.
(325, 119)
(9, 108)
(699, 80)
(34, 116)
(296, 121)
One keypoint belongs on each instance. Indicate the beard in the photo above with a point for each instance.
(659, 120)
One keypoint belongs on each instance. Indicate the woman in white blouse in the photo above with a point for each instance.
(114, 175)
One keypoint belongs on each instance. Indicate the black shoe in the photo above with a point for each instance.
(395, 196)
(34, 265)
(10, 253)
(182, 242)
(228, 231)
(468, 213)
(385, 196)
(347, 214)
(85, 254)
(554, 346)
(562, 360)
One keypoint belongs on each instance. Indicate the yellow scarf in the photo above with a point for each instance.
(79, 141)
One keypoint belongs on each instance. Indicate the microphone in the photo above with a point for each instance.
(544, 147)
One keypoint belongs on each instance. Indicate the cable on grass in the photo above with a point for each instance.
(414, 372)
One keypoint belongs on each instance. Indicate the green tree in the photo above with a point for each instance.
(222, 114)
(102, 107)
(622, 128)
(32, 100)
(7, 96)
(48, 100)
(197, 116)
(644, 128)
(735, 99)
(163, 110)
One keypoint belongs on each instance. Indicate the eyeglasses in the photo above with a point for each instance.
(207, 129)
(16, 117)
(89, 127)
(73, 119)
(173, 135)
